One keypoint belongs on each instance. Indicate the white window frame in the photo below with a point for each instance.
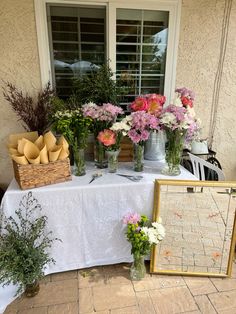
(172, 6)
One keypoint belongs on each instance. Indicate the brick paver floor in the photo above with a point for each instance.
(108, 290)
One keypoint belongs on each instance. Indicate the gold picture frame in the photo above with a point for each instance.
(200, 223)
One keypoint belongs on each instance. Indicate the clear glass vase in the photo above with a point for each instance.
(175, 143)
(100, 157)
(112, 158)
(138, 157)
(138, 269)
(79, 162)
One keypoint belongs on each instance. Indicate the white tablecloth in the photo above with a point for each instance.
(88, 217)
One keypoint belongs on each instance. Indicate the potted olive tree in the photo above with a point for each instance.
(24, 245)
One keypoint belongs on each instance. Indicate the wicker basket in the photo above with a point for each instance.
(33, 176)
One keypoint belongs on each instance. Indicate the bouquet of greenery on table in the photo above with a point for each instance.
(142, 234)
(75, 127)
(24, 245)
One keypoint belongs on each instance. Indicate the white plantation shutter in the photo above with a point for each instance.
(141, 43)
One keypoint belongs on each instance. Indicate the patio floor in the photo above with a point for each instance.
(108, 290)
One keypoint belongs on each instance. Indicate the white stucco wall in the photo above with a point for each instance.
(19, 64)
(198, 56)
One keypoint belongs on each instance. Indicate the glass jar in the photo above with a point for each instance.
(100, 157)
(112, 158)
(79, 162)
(138, 157)
(138, 269)
(175, 143)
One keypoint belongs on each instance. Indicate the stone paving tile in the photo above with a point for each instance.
(59, 291)
(127, 310)
(224, 284)
(145, 303)
(145, 284)
(113, 296)
(224, 302)
(68, 308)
(91, 278)
(64, 276)
(198, 285)
(204, 304)
(37, 310)
(165, 281)
(85, 300)
(172, 300)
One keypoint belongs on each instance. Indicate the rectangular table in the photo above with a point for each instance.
(88, 217)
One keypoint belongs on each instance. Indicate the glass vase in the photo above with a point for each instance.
(79, 162)
(100, 157)
(112, 158)
(138, 269)
(175, 143)
(138, 157)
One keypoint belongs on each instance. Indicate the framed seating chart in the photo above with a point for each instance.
(199, 218)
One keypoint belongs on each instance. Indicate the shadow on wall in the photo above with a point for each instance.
(1, 194)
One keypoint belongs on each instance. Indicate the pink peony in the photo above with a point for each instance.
(186, 102)
(131, 218)
(155, 104)
(140, 104)
(107, 137)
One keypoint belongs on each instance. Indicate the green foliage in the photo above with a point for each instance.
(23, 245)
(97, 87)
(73, 125)
(138, 239)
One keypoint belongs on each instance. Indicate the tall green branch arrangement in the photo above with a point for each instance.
(24, 244)
(73, 125)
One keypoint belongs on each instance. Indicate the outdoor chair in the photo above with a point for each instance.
(203, 169)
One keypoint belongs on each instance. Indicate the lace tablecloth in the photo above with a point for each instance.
(88, 217)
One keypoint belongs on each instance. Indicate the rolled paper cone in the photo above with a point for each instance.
(34, 161)
(63, 154)
(20, 159)
(62, 141)
(39, 142)
(11, 145)
(21, 145)
(54, 153)
(31, 151)
(49, 140)
(13, 151)
(31, 136)
(44, 155)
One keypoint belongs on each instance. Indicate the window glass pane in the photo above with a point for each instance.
(141, 43)
(77, 43)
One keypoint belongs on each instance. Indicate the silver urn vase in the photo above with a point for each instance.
(155, 146)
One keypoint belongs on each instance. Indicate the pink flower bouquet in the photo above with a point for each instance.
(152, 103)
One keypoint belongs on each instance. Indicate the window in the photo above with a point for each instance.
(140, 40)
(77, 42)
